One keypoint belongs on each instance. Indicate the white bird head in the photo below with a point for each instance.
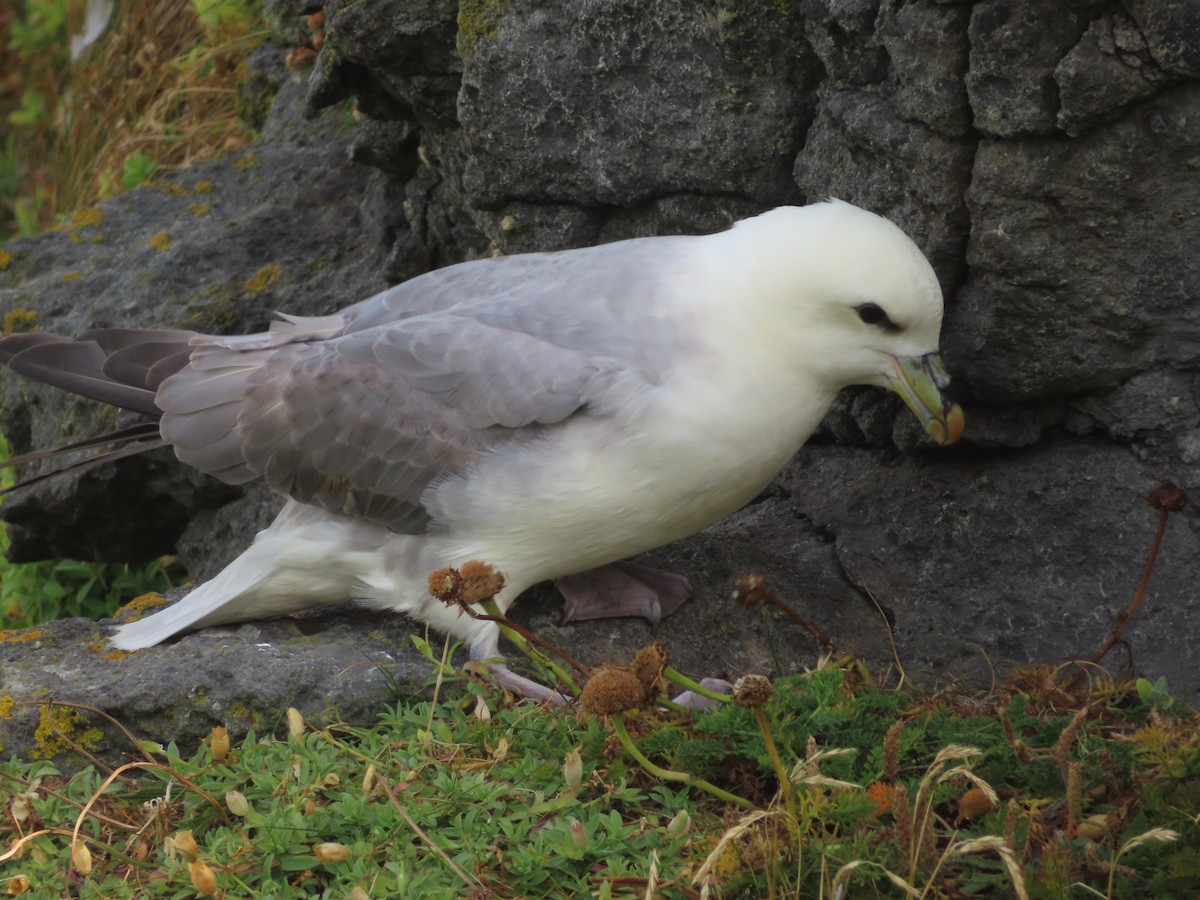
(853, 301)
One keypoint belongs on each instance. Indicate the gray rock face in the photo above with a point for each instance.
(1042, 154)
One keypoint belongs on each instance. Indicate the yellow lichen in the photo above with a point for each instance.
(61, 728)
(138, 606)
(202, 187)
(262, 279)
(174, 190)
(20, 635)
(75, 238)
(5, 259)
(200, 209)
(161, 241)
(71, 276)
(82, 218)
(246, 161)
(6, 706)
(117, 654)
(19, 319)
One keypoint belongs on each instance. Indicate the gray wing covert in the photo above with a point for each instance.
(363, 423)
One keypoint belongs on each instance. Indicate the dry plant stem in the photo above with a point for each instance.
(420, 833)
(526, 641)
(618, 724)
(1124, 618)
(785, 784)
(819, 634)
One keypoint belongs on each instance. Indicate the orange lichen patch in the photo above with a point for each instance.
(139, 606)
(161, 241)
(71, 276)
(20, 635)
(262, 279)
(19, 319)
(5, 259)
(202, 187)
(199, 209)
(118, 654)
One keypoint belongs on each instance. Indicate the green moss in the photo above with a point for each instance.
(479, 19)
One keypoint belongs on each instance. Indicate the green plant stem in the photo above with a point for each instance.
(618, 724)
(526, 647)
(785, 784)
(695, 687)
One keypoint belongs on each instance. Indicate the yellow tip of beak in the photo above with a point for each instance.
(949, 431)
(919, 381)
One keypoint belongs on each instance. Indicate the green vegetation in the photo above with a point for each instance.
(1032, 791)
(157, 92)
(32, 593)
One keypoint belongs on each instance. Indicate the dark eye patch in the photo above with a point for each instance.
(874, 314)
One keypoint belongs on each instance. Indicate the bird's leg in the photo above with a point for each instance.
(622, 589)
(486, 651)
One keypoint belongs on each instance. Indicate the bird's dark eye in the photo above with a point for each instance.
(873, 314)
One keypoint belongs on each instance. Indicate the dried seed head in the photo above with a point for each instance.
(480, 581)
(81, 858)
(573, 769)
(295, 720)
(750, 589)
(973, 804)
(218, 742)
(648, 665)
(203, 878)
(446, 585)
(236, 803)
(1168, 498)
(184, 844)
(1093, 828)
(331, 852)
(612, 690)
(300, 58)
(752, 690)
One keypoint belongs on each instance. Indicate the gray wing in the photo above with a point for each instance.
(363, 421)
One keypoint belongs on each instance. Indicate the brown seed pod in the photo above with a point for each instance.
(752, 690)
(973, 804)
(1168, 498)
(612, 690)
(446, 585)
(480, 581)
(750, 589)
(648, 664)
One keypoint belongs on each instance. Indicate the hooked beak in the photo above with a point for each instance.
(919, 381)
